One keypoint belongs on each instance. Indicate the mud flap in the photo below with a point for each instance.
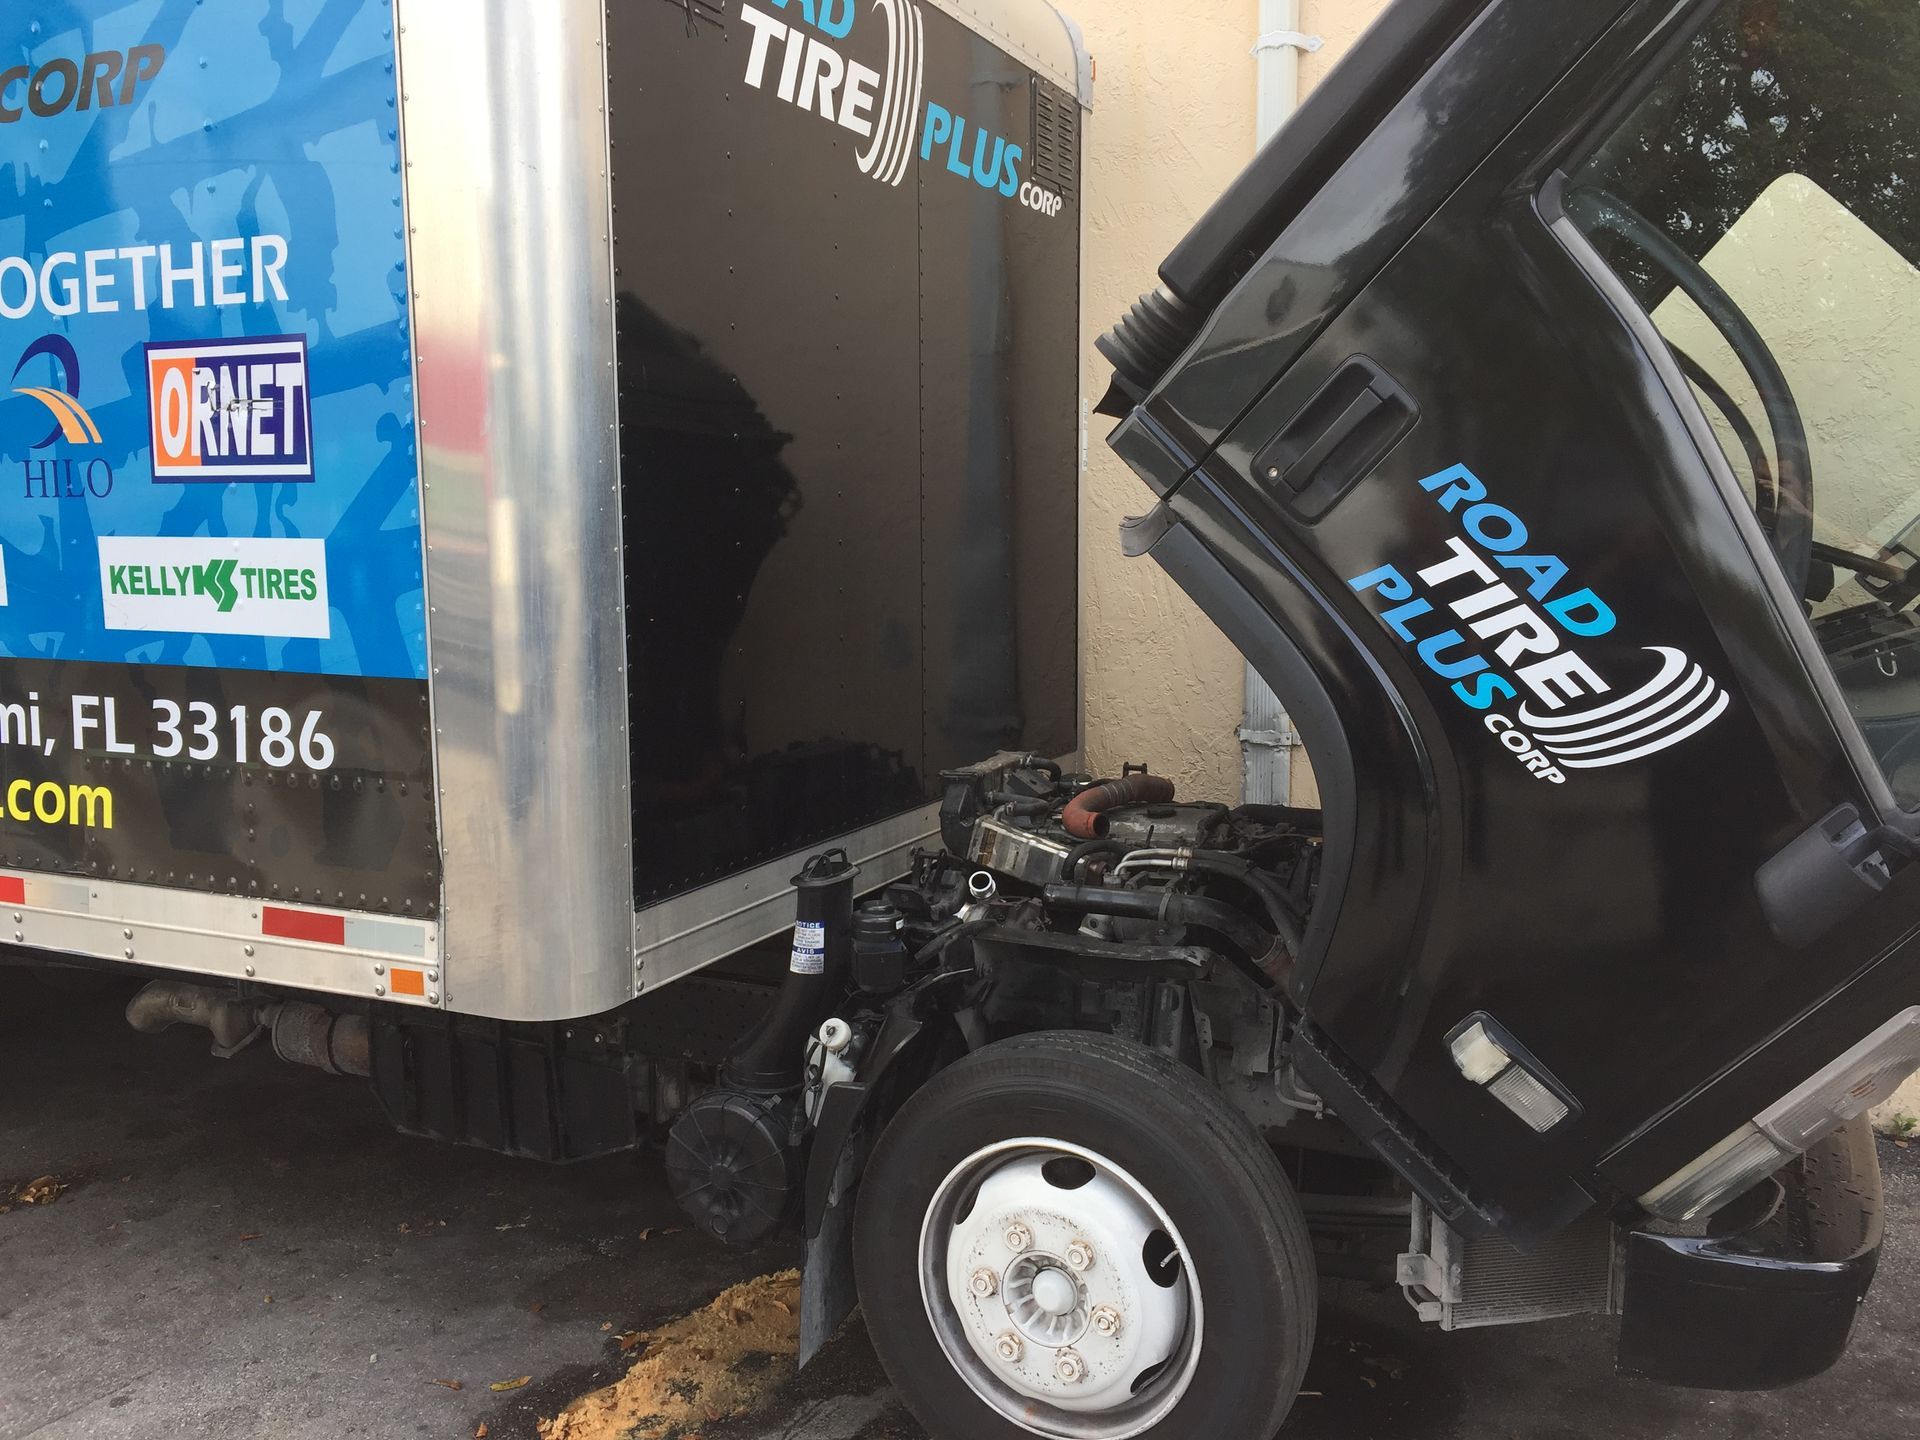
(828, 1291)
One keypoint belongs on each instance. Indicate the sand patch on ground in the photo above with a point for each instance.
(722, 1361)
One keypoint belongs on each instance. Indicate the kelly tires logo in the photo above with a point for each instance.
(230, 410)
(201, 585)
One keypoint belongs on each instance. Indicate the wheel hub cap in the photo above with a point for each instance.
(1095, 1243)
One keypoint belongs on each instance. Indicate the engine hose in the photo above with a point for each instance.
(946, 939)
(1275, 900)
(1269, 954)
(1087, 850)
(1285, 817)
(1084, 816)
(1280, 906)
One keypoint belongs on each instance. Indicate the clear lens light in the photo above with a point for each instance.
(1479, 1056)
(1528, 1098)
(1849, 1086)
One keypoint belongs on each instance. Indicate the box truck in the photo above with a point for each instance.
(523, 508)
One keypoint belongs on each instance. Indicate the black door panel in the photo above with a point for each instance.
(1581, 714)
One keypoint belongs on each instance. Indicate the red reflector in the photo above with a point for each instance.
(303, 925)
(13, 890)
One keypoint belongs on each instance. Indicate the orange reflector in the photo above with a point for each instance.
(409, 982)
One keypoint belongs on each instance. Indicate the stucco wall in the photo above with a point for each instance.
(1173, 124)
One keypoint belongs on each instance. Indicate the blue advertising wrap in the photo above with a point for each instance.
(210, 539)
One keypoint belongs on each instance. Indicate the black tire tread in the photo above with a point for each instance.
(1185, 1101)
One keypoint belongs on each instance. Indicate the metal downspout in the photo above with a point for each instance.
(1267, 739)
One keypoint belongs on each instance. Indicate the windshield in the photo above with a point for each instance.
(1760, 202)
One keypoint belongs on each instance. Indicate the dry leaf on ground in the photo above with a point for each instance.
(502, 1385)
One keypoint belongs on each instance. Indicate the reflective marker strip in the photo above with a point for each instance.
(386, 936)
(408, 982)
(13, 890)
(65, 895)
(303, 925)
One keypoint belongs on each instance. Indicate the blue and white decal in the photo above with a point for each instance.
(1465, 616)
(795, 56)
(204, 339)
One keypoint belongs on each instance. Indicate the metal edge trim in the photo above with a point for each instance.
(689, 932)
(419, 459)
(217, 936)
(1013, 26)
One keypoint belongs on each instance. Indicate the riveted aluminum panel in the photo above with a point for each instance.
(505, 136)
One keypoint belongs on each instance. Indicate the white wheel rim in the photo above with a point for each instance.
(1060, 1291)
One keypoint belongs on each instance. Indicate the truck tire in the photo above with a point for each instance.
(1072, 1236)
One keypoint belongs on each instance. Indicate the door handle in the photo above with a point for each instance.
(1336, 438)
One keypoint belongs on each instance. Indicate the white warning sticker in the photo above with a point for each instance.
(809, 948)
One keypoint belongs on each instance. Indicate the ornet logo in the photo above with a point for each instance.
(62, 477)
(230, 410)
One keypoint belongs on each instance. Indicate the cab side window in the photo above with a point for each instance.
(1762, 203)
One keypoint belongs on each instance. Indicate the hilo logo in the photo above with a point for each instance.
(230, 410)
(888, 110)
(206, 585)
(101, 79)
(1468, 623)
(61, 477)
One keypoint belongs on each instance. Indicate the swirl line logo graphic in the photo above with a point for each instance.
(1681, 700)
(890, 151)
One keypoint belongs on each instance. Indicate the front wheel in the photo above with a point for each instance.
(1071, 1236)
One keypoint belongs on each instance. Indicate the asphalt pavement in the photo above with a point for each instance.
(246, 1249)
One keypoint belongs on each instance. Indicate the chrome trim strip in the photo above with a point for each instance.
(507, 188)
(1034, 33)
(691, 931)
(217, 936)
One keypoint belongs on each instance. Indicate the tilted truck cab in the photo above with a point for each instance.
(615, 473)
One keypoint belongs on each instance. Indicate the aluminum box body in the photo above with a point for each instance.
(401, 367)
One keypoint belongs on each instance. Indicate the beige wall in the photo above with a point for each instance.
(1173, 123)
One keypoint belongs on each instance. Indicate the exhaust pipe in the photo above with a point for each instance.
(303, 1033)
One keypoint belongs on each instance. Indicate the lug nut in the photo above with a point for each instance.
(1008, 1348)
(1019, 1238)
(1070, 1367)
(1106, 1320)
(983, 1284)
(1080, 1255)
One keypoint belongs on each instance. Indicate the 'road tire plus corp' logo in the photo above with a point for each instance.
(225, 410)
(1532, 643)
(206, 585)
(888, 111)
(99, 80)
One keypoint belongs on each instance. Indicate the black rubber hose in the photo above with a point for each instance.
(1291, 817)
(952, 935)
(1086, 850)
(1278, 904)
(1229, 924)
